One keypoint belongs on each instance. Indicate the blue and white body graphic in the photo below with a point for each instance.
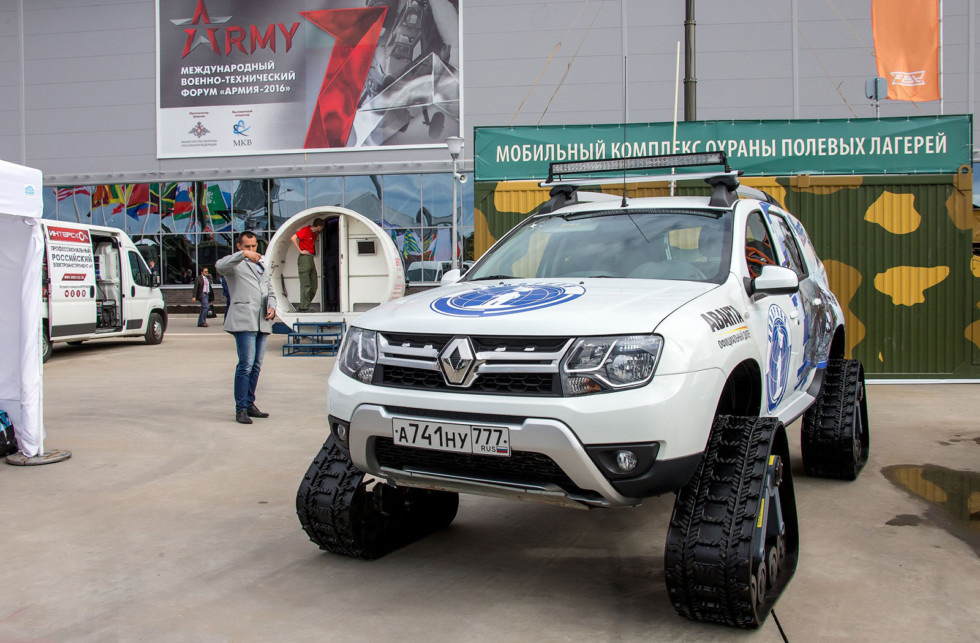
(506, 299)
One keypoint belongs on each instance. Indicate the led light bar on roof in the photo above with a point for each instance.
(664, 161)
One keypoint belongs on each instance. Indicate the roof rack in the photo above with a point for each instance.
(724, 183)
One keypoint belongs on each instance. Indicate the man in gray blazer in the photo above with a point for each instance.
(249, 319)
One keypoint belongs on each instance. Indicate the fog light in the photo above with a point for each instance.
(626, 461)
(341, 431)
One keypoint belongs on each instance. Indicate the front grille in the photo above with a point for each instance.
(505, 365)
(522, 467)
(409, 378)
(541, 384)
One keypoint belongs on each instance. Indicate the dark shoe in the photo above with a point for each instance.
(202, 325)
(241, 416)
(254, 412)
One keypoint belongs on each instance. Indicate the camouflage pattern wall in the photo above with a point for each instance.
(898, 252)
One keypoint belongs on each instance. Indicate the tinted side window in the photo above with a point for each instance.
(792, 251)
(758, 245)
(141, 274)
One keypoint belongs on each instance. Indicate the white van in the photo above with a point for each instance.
(96, 285)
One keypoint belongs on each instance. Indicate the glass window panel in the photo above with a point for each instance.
(437, 199)
(362, 194)
(107, 205)
(135, 206)
(402, 200)
(176, 206)
(409, 244)
(110, 200)
(51, 203)
(214, 212)
(250, 199)
(466, 207)
(437, 203)
(212, 248)
(288, 197)
(326, 191)
(466, 240)
(179, 254)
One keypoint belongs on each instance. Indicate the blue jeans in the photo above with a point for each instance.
(202, 318)
(251, 350)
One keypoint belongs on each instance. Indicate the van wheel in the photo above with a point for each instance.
(46, 348)
(154, 329)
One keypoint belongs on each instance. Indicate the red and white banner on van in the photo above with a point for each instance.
(71, 268)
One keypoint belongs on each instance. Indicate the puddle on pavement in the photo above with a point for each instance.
(956, 493)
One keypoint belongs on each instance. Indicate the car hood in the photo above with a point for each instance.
(536, 307)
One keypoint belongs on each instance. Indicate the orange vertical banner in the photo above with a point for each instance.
(906, 35)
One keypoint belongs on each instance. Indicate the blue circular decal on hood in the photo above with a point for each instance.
(505, 300)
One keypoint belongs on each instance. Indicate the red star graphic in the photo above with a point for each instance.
(200, 17)
(357, 32)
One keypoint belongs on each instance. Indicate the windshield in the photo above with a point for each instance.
(686, 245)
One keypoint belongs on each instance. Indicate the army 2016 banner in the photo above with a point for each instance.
(240, 77)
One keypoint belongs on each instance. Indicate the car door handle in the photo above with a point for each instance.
(794, 314)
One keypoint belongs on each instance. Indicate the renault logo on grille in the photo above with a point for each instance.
(458, 362)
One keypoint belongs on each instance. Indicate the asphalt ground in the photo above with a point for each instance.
(171, 522)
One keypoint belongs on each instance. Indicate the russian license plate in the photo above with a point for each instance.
(458, 438)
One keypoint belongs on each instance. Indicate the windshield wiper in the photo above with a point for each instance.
(492, 277)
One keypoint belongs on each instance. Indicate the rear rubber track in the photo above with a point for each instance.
(835, 437)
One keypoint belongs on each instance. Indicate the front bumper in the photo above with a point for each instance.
(551, 438)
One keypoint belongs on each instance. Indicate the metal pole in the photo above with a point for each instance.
(796, 61)
(941, 96)
(625, 53)
(690, 80)
(455, 263)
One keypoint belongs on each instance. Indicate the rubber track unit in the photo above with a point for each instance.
(719, 521)
(344, 514)
(835, 436)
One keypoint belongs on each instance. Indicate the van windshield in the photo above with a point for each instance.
(688, 245)
(423, 274)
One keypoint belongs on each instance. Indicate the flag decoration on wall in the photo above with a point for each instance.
(906, 37)
(132, 197)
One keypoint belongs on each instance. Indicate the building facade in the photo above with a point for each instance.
(85, 99)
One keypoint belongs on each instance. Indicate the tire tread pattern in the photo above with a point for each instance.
(342, 516)
(827, 434)
(708, 551)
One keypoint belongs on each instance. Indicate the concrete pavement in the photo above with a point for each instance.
(171, 522)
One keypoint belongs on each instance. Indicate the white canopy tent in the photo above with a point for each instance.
(21, 256)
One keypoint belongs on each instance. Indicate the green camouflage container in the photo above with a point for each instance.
(898, 251)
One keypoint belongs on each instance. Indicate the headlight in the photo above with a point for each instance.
(359, 354)
(596, 364)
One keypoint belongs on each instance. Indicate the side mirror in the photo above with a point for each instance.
(776, 280)
(450, 277)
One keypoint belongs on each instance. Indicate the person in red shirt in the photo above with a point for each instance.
(305, 243)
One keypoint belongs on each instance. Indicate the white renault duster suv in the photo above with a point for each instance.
(604, 351)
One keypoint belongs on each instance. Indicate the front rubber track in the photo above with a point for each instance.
(835, 437)
(345, 514)
(733, 522)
